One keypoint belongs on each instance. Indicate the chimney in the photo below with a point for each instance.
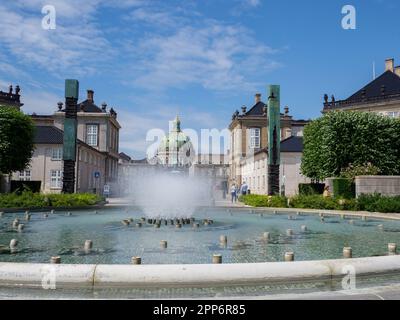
(397, 70)
(90, 95)
(389, 63)
(257, 98)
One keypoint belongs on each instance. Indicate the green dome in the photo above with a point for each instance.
(176, 139)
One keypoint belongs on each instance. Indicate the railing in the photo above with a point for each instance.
(346, 103)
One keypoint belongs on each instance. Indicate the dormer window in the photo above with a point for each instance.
(255, 134)
(92, 135)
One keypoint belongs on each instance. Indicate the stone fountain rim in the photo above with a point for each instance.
(31, 275)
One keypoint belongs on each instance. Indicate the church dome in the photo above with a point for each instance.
(176, 147)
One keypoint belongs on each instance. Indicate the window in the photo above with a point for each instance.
(56, 179)
(25, 175)
(92, 134)
(56, 154)
(255, 138)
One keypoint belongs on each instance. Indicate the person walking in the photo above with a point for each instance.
(244, 188)
(234, 193)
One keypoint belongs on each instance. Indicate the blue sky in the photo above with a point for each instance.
(151, 59)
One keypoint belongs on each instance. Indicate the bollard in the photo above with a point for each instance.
(27, 217)
(15, 223)
(304, 228)
(13, 244)
(266, 236)
(96, 212)
(21, 227)
(136, 260)
(196, 225)
(289, 232)
(289, 256)
(139, 224)
(178, 226)
(392, 247)
(217, 259)
(364, 218)
(342, 216)
(52, 211)
(164, 244)
(223, 239)
(347, 252)
(55, 260)
(88, 245)
(69, 214)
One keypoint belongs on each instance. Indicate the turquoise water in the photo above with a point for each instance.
(114, 243)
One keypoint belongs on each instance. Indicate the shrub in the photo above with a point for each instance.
(311, 188)
(264, 201)
(344, 188)
(371, 203)
(353, 171)
(378, 203)
(27, 199)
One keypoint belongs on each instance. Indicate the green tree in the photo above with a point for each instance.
(340, 139)
(16, 140)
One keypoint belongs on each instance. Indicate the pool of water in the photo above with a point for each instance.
(114, 243)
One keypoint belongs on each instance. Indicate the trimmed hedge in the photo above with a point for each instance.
(29, 199)
(344, 188)
(264, 201)
(307, 189)
(370, 203)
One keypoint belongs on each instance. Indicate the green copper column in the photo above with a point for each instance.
(274, 139)
(70, 135)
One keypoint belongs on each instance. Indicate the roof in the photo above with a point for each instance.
(124, 156)
(389, 80)
(291, 144)
(144, 161)
(89, 106)
(53, 135)
(257, 109)
(48, 135)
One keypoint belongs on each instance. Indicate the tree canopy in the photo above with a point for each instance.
(340, 139)
(16, 140)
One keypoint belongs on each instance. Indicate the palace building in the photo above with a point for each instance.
(249, 149)
(97, 148)
(382, 95)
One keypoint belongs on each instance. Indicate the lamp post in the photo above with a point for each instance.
(70, 134)
(274, 139)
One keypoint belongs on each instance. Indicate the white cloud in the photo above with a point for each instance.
(253, 3)
(75, 46)
(214, 55)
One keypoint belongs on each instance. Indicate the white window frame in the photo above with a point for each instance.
(92, 135)
(255, 138)
(56, 179)
(56, 154)
(25, 175)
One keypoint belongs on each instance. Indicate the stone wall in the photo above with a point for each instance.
(384, 185)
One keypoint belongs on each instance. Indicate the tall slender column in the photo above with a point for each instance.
(274, 139)
(70, 135)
